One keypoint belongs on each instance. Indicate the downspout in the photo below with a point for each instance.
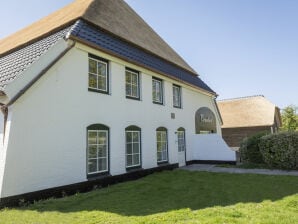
(4, 110)
(218, 112)
(4, 107)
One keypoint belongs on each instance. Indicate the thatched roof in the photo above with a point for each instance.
(247, 112)
(114, 16)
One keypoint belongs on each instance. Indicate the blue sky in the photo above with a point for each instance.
(239, 47)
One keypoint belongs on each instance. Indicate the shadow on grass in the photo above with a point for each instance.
(172, 190)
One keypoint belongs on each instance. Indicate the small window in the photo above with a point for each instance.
(176, 96)
(98, 74)
(133, 147)
(97, 149)
(157, 91)
(132, 84)
(162, 145)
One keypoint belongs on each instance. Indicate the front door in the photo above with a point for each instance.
(181, 148)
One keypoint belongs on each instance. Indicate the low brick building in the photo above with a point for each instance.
(243, 117)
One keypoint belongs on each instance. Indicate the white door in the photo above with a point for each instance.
(181, 148)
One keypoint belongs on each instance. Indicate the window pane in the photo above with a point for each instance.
(92, 81)
(128, 90)
(92, 136)
(176, 96)
(129, 136)
(135, 91)
(129, 148)
(136, 147)
(164, 155)
(102, 138)
(102, 164)
(128, 77)
(159, 146)
(92, 152)
(158, 97)
(164, 146)
(102, 69)
(156, 91)
(159, 158)
(128, 160)
(135, 136)
(158, 136)
(134, 79)
(92, 66)
(102, 151)
(153, 90)
(136, 159)
(92, 165)
(163, 136)
(102, 83)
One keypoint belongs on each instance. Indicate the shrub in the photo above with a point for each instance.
(249, 149)
(280, 150)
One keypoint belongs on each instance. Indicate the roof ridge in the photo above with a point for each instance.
(13, 43)
(115, 16)
(241, 98)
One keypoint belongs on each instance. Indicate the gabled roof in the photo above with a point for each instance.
(247, 112)
(81, 21)
(114, 16)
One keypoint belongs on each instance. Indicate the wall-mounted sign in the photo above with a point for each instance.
(205, 121)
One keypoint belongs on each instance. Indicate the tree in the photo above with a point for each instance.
(289, 118)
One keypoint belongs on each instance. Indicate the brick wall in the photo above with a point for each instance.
(234, 136)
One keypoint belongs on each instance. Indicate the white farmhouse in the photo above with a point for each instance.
(91, 95)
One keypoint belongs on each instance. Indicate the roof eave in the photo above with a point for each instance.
(89, 44)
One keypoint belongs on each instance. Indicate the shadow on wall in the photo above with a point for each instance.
(174, 190)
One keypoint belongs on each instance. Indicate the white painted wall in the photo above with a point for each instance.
(47, 137)
(211, 147)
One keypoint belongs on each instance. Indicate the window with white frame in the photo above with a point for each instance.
(157, 91)
(133, 147)
(176, 96)
(162, 145)
(132, 84)
(98, 74)
(97, 149)
(181, 140)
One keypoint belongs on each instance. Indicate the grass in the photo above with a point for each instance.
(173, 197)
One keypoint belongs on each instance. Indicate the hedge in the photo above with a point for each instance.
(249, 149)
(280, 150)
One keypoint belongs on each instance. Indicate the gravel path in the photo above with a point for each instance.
(214, 168)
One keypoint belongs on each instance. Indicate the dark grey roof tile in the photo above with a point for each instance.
(17, 62)
(89, 33)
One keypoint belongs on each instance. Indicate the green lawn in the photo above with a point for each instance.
(173, 197)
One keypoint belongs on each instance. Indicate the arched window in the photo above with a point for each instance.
(133, 147)
(162, 144)
(97, 149)
(205, 121)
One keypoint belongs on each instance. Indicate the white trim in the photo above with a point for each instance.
(184, 143)
(131, 84)
(99, 75)
(132, 153)
(97, 158)
(166, 145)
(160, 99)
(179, 96)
